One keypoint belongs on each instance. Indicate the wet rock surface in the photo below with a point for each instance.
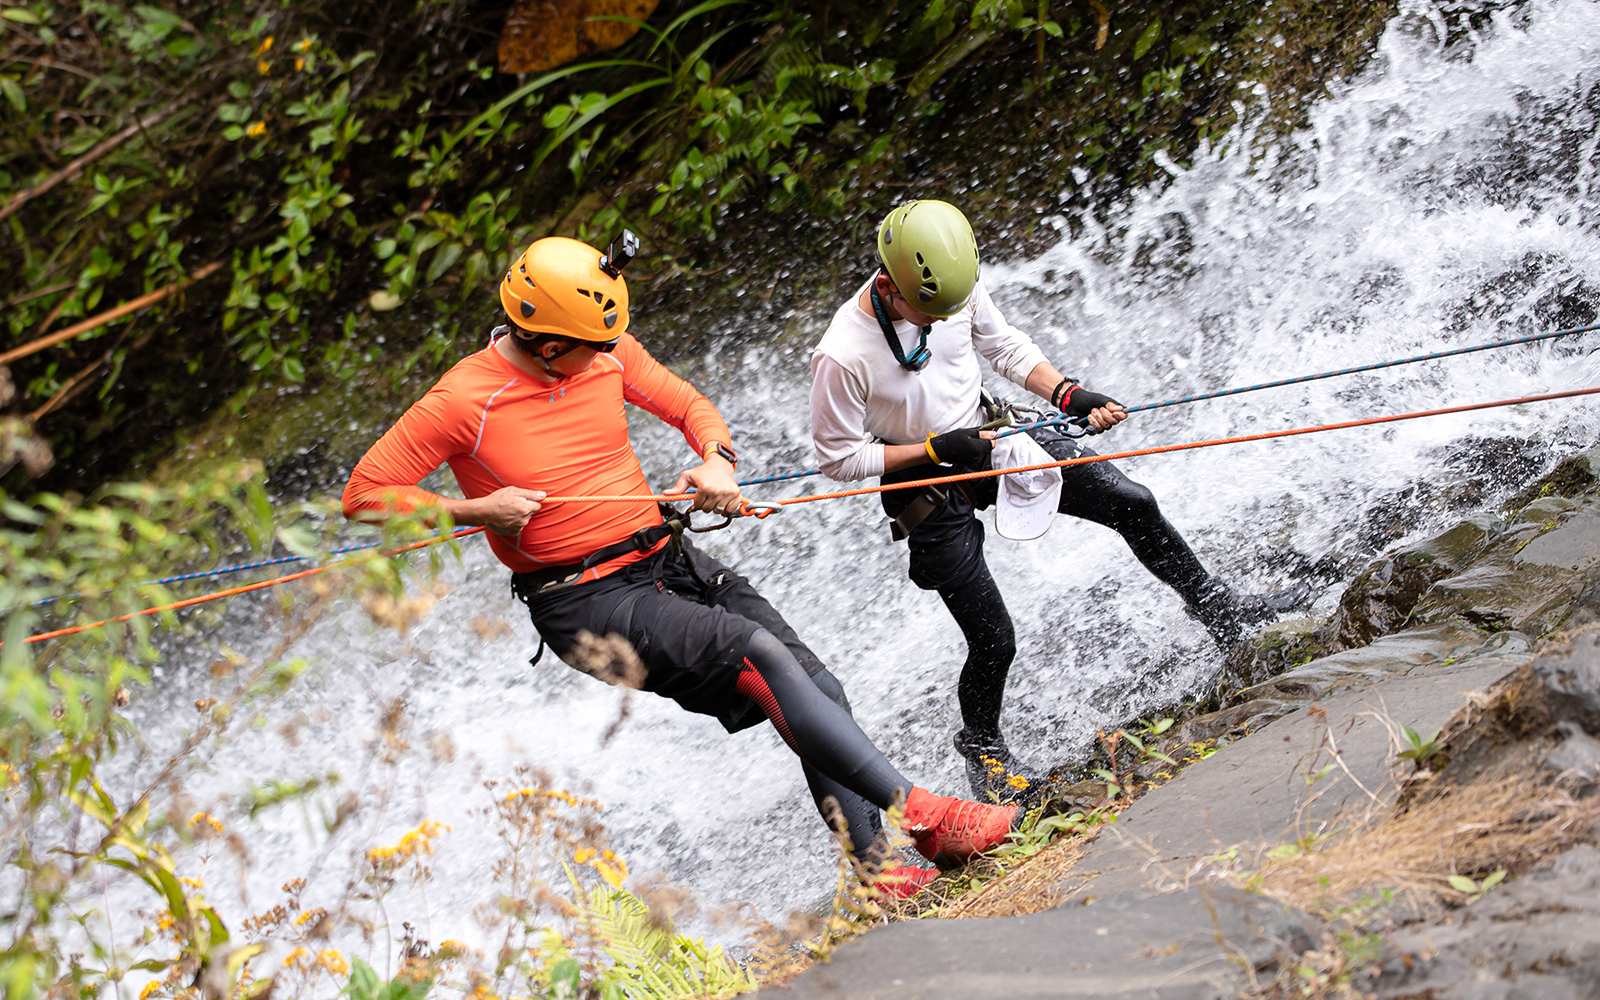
(1130, 945)
(1445, 635)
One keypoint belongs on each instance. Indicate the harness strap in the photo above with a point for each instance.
(540, 581)
(929, 500)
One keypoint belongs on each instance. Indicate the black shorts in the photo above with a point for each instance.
(689, 617)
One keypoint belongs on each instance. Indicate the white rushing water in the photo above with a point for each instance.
(1448, 197)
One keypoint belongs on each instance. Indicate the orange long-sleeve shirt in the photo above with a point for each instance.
(496, 425)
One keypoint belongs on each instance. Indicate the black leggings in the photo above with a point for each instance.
(813, 717)
(991, 646)
(946, 552)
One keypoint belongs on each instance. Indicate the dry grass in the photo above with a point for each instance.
(1041, 883)
(1511, 818)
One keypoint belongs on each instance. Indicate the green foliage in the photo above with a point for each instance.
(1474, 890)
(1421, 752)
(342, 174)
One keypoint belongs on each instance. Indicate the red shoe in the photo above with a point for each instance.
(902, 881)
(950, 831)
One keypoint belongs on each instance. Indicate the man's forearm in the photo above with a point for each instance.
(904, 456)
(1042, 381)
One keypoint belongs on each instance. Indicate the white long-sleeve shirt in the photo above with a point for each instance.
(861, 399)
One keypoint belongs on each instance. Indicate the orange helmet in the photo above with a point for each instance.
(567, 288)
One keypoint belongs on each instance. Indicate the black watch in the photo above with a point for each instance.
(727, 453)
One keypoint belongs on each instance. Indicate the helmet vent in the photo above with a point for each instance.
(611, 320)
(527, 309)
(583, 291)
(922, 263)
(599, 296)
(529, 281)
(888, 235)
(610, 305)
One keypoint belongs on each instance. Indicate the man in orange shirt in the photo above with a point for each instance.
(539, 413)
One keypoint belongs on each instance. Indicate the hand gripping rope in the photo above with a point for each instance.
(764, 510)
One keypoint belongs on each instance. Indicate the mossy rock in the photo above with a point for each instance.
(1380, 600)
(1279, 647)
(1573, 476)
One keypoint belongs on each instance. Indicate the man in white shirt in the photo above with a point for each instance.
(896, 393)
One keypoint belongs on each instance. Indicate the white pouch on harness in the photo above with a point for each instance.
(1028, 500)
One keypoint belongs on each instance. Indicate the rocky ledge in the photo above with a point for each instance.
(1405, 804)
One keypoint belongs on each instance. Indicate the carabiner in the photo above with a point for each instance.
(759, 511)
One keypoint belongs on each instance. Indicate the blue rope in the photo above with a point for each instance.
(234, 569)
(1320, 375)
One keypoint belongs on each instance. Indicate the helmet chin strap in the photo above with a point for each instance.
(544, 362)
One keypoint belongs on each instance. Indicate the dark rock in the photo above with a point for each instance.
(1536, 711)
(1380, 600)
(1275, 649)
(1572, 476)
(1535, 936)
(1204, 943)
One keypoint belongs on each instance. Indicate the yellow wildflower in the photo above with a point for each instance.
(193, 883)
(1017, 781)
(264, 47)
(296, 957)
(302, 45)
(333, 962)
(418, 842)
(165, 921)
(257, 130)
(299, 63)
(315, 913)
(265, 67)
(205, 820)
(149, 988)
(610, 867)
(549, 793)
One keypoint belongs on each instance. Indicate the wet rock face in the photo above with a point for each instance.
(1381, 599)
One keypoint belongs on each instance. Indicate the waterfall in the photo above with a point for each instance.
(1447, 197)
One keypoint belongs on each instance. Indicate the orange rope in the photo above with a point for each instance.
(1067, 462)
(838, 494)
(235, 591)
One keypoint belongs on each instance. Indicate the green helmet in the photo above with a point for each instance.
(928, 250)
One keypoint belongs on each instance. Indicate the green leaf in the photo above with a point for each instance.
(1147, 39)
(13, 92)
(1493, 880)
(1461, 883)
(558, 115)
(20, 15)
(239, 90)
(444, 260)
(363, 983)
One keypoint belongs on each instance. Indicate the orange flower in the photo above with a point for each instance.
(264, 47)
(257, 130)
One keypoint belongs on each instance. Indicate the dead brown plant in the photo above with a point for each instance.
(1512, 817)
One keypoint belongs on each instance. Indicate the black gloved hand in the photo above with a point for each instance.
(1081, 401)
(959, 447)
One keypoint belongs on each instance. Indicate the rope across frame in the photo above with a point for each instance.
(840, 494)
